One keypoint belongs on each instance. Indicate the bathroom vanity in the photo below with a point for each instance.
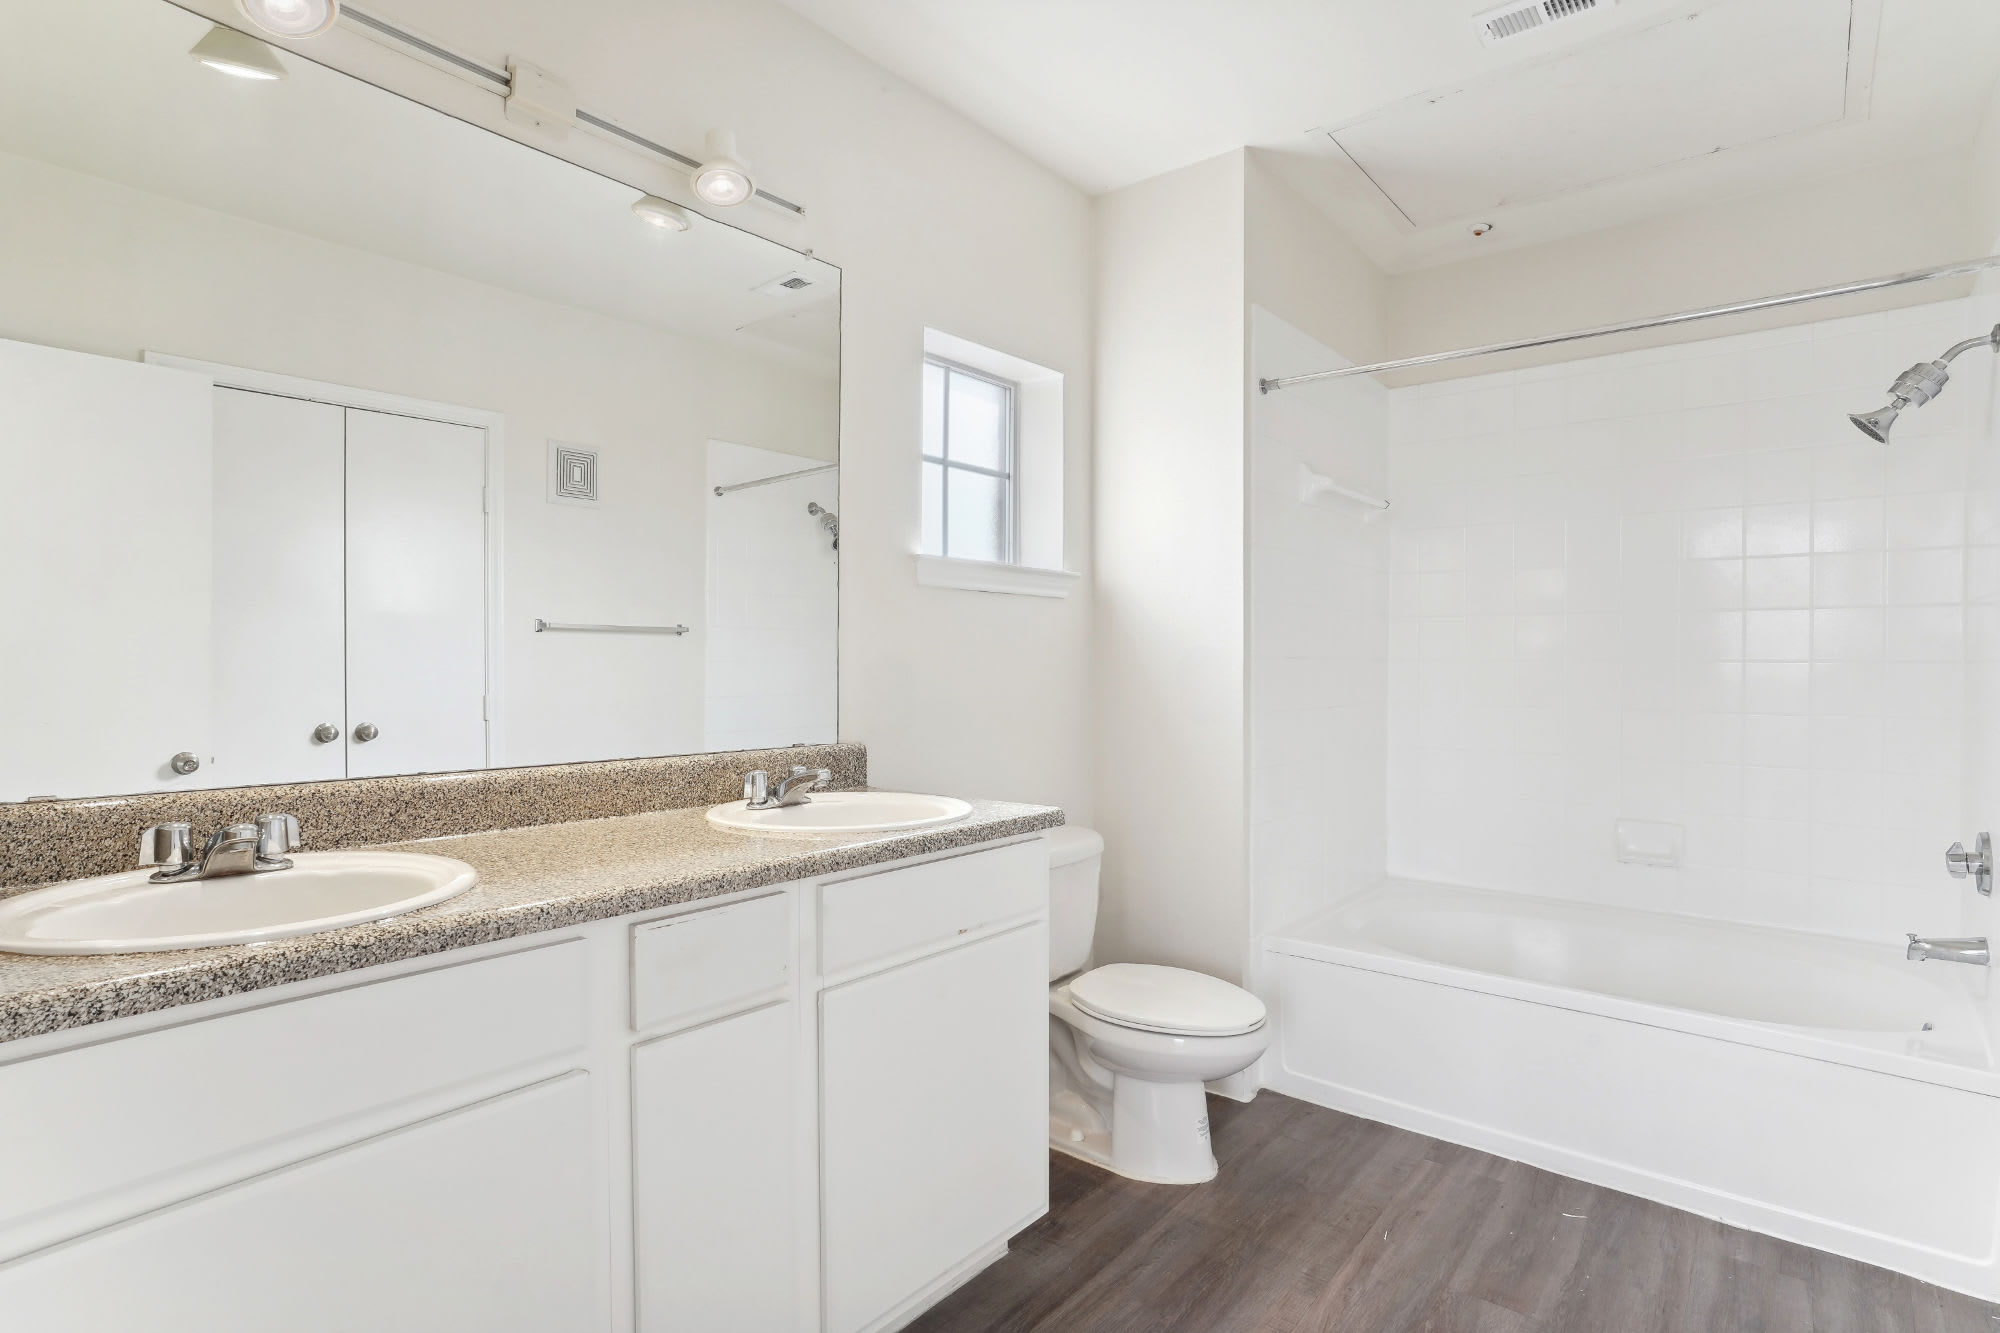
(806, 1091)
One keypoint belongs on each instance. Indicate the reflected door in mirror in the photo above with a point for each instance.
(416, 590)
(280, 616)
(104, 630)
(349, 592)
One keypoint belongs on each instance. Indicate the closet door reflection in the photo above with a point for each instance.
(416, 595)
(279, 619)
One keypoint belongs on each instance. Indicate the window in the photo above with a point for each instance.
(993, 467)
(969, 500)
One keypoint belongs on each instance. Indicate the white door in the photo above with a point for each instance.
(279, 613)
(416, 595)
(715, 1184)
(104, 544)
(490, 1218)
(934, 1105)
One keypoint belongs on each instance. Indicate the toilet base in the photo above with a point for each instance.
(1158, 1132)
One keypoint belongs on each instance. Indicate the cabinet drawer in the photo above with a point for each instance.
(688, 969)
(894, 912)
(140, 1108)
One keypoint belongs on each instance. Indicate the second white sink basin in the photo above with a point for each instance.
(844, 812)
(126, 913)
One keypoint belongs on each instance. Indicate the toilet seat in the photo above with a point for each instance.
(1168, 1000)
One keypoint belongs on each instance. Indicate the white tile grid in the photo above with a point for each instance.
(1318, 638)
(1678, 585)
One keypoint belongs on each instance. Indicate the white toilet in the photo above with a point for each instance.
(1130, 1044)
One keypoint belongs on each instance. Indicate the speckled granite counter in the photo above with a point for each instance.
(530, 879)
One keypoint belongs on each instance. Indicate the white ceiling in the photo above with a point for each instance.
(1402, 126)
(106, 87)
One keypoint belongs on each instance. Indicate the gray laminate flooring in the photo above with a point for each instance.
(1320, 1221)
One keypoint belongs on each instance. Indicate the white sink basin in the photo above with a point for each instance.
(124, 913)
(844, 812)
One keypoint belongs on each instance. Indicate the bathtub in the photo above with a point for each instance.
(1823, 1090)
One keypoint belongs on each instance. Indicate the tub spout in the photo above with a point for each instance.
(1972, 951)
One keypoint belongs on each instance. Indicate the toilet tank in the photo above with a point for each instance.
(1074, 857)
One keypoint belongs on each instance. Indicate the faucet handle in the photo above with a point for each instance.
(170, 844)
(277, 836)
(757, 786)
(1977, 863)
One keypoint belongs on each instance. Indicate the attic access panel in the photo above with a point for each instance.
(1732, 73)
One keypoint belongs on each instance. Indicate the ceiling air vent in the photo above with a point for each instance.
(786, 282)
(1497, 25)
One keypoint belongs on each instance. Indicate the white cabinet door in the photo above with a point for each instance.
(416, 595)
(715, 1178)
(279, 627)
(934, 1119)
(489, 1218)
(104, 540)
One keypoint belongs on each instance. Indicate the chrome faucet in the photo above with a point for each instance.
(233, 849)
(759, 794)
(1972, 951)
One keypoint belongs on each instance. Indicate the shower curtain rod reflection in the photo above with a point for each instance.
(1958, 270)
(772, 481)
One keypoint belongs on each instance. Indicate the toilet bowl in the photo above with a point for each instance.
(1132, 1044)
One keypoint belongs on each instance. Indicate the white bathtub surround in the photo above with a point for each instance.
(1817, 1089)
(772, 652)
(1677, 586)
(1318, 633)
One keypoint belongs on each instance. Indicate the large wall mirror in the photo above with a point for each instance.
(345, 439)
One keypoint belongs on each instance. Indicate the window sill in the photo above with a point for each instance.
(985, 576)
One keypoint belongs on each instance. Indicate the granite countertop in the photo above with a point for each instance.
(547, 877)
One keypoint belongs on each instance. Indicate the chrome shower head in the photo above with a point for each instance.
(1917, 386)
(827, 519)
(1875, 425)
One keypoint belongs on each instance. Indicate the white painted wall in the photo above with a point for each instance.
(1318, 634)
(1677, 585)
(935, 223)
(772, 648)
(97, 267)
(1170, 727)
(1304, 271)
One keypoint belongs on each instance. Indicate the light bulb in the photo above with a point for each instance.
(291, 18)
(661, 213)
(723, 180)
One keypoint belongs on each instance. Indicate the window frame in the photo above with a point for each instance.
(1008, 476)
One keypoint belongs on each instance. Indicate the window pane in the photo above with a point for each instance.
(978, 423)
(933, 509)
(978, 516)
(933, 410)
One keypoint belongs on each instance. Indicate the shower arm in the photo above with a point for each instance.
(1991, 339)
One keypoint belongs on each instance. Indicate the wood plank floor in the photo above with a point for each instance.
(1323, 1222)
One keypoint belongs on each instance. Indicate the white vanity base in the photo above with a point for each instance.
(662, 1122)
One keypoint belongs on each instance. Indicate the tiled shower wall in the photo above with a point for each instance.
(1678, 586)
(1318, 590)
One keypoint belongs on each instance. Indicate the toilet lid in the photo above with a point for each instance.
(1167, 999)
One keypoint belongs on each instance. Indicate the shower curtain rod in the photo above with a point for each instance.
(772, 481)
(1656, 322)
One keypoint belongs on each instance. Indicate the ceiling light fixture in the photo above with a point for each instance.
(291, 18)
(661, 213)
(237, 53)
(723, 180)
